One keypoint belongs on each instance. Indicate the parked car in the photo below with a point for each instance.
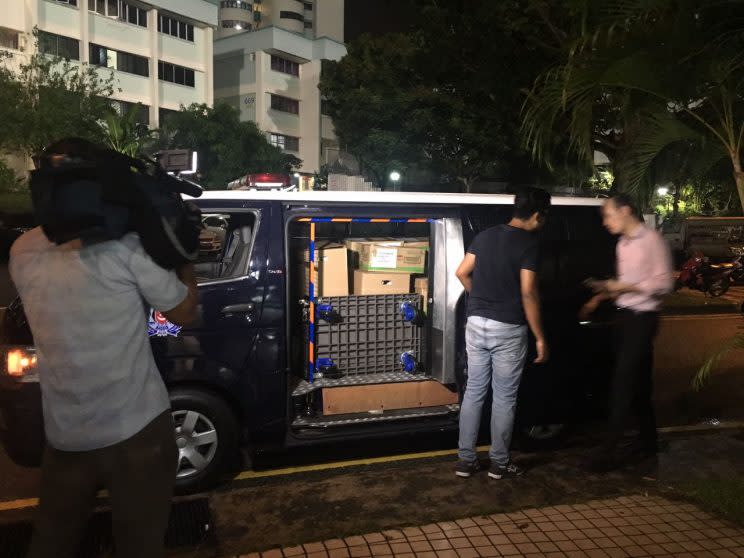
(246, 375)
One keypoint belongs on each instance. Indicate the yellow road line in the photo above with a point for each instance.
(344, 464)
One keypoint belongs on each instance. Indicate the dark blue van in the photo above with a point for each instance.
(305, 338)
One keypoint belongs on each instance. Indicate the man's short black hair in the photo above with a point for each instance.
(624, 200)
(529, 201)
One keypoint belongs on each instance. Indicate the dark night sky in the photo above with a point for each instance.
(378, 17)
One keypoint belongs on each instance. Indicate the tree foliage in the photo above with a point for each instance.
(126, 134)
(227, 147)
(48, 98)
(447, 96)
(641, 78)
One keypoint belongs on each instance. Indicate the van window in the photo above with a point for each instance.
(225, 245)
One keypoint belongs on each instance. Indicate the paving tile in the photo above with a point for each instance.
(724, 553)
(447, 525)
(314, 547)
(332, 544)
(469, 552)
(615, 552)
(563, 525)
(361, 551)
(375, 538)
(537, 537)
(557, 535)
(273, 553)
(339, 553)
(635, 551)
(431, 528)
(416, 538)
(393, 535)
(508, 550)
(473, 531)
(430, 554)
(291, 551)
(463, 523)
(421, 546)
(400, 548)
(574, 534)
(436, 535)
(355, 541)
(596, 553)
(480, 541)
(566, 545)
(527, 547)
(491, 530)
(382, 549)
(488, 551)
(519, 538)
(604, 542)
(611, 532)
(412, 532)
(483, 520)
(462, 542)
(654, 550)
(585, 544)
(441, 544)
(496, 540)
(447, 554)
(547, 547)
(592, 533)
(323, 554)
(454, 533)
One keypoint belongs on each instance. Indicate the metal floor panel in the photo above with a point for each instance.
(365, 418)
(304, 387)
(190, 525)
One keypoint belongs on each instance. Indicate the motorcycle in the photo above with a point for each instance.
(714, 279)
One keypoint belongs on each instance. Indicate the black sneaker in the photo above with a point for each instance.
(509, 471)
(466, 468)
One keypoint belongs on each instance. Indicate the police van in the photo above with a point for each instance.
(327, 317)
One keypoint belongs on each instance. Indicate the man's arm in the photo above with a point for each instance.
(531, 303)
(185, 313)
(465, 271)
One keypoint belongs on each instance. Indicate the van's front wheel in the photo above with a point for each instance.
(206, 432)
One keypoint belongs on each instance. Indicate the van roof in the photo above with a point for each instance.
(386, 197)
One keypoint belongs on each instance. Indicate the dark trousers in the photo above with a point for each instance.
(631, 389)
(139, 474)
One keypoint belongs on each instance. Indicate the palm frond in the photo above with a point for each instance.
(703, 374)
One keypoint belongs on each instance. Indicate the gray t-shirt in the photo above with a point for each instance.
(99, 381)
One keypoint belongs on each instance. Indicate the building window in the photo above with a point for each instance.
(9, 39)
(164, 114)
(57, 45)
(325, 107)
(283, 65)
(175, 74)
(291, 15)
(142, 111)
(285, 104)
(70, 2)
(235, 24)
(117, 60)
(248, 6)
(120, 10)
(256, 16)
(308, 7)
(308, 25)
(285, 143)
(176, 28)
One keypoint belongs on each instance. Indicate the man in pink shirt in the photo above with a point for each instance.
(644, 276)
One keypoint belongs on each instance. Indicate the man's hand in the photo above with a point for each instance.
(589, 308)
(543, 352)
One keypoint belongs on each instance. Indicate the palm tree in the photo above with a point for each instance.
(126, 134)
(642, 75)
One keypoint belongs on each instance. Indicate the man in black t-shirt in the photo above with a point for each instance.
(500, 274)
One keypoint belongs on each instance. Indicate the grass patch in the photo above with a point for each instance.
(723, 497)
(15, 202)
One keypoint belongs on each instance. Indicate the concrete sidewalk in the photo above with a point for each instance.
(635, 526)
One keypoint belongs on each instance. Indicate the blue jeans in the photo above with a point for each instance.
(496, 356)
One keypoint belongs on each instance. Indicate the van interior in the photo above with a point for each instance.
(360, 326)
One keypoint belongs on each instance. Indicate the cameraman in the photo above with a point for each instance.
(107, 415)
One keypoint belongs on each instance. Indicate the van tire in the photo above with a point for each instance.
(210, 413)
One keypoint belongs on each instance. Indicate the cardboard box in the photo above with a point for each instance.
(331, 273)
(376, 282)
(421, 286)
(386, 397)
(392, 259)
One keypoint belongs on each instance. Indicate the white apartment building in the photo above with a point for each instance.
(160, 50)
(268, 59)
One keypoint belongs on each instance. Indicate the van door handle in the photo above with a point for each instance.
(246, 308)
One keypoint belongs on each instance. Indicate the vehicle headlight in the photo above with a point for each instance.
(20, 363)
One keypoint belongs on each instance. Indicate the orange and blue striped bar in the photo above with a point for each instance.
(312, 263)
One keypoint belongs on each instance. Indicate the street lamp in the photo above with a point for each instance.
(663, 191)
(395, 176)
